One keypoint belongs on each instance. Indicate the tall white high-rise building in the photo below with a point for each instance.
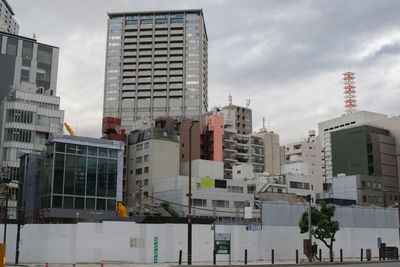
(7, 20)
(156, 65)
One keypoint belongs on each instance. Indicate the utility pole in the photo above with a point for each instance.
(19, 220)
(6, 213)
(398, 190)
(4, 188)
(189, 257)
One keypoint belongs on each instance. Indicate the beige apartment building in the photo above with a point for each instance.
(274, 154)
(152, 154)
(243, 118)
(305, 158)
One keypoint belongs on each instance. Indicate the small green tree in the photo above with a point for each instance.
(166, 206)
(322, 226)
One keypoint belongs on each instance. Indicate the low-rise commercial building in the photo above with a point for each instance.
(364, 190)
(220, 198)
(82, 178)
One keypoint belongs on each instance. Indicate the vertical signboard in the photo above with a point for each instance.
(223, 243)
(155, 249)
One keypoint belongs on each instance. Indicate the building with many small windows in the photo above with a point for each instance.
(30, 110)
(153, 154)
(242, 117)
(28, 117)
(305, 158)
(369, 151)
(7, 20)
(82, 178)
(26, 60)
(156, 65)
(326, 128)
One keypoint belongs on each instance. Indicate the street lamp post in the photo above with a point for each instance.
(6, 213)
(398, 192)
(189, 256)
(309, 226)
(19, 220)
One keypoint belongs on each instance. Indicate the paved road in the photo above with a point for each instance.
(236, 264)
(346, 264)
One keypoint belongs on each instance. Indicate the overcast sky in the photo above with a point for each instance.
(287, 57)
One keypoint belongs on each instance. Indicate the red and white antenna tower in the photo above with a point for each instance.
(350, 102)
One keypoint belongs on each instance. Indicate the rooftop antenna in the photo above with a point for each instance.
(264, 129)
(247, 103)
(350, 101)
(230, 99)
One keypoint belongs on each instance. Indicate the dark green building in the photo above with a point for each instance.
(366, 150)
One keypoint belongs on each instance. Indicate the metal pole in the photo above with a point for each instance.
(19, 219)
(320, 255)
(6, 215)
(309, 226)
(398, 192)
(190, 197)
(214, 237)
(341, 255)
(272, 257)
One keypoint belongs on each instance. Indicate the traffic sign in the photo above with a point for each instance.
(223, 246)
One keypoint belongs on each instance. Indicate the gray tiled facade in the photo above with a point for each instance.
(156, 66)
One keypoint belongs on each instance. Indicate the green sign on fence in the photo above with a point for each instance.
(223, 246)
(155, 249)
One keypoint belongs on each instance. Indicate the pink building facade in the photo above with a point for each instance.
(211, 138)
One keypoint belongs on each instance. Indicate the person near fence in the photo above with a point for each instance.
(314, 250)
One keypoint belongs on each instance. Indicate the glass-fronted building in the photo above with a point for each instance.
(82, 173)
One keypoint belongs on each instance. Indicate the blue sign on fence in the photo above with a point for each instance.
(256, 227)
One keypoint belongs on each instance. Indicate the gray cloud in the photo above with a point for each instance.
(286, 56)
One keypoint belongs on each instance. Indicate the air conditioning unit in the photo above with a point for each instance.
(40, 90)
